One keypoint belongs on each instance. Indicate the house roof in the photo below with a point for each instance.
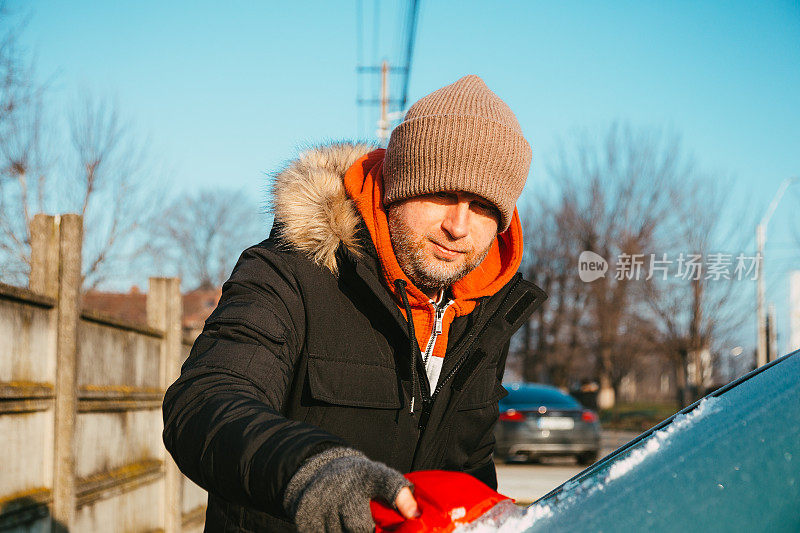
(132, 306)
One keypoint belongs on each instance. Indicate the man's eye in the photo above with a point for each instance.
(486, 209)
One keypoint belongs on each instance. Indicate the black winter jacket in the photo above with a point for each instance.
(307, 350)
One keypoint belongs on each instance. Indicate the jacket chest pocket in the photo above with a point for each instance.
(349, 383)
(357, 402)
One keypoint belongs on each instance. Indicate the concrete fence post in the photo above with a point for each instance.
(164, 311)
(44, 255)
(59, 271)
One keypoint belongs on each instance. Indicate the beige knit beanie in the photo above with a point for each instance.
(462, 137)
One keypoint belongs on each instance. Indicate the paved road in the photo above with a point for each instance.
(529, 482)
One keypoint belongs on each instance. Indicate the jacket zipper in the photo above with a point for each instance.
(438, 318)
(427, 403)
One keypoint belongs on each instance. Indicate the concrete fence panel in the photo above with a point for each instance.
(27, 375)
(118, 358)
(80, 402)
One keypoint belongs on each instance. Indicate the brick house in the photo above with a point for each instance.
(132, 306)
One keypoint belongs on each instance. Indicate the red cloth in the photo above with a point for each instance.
(446, 500)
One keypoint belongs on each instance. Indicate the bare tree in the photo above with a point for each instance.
(23, 159)
(95, 166)
(103, 175)
(112, 186)
(611, 198)
(619, 192)
(553, 341)
(15, 70)
(699, 313)
(201, 235)
(630, 198)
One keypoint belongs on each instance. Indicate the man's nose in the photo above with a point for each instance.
(456, 220)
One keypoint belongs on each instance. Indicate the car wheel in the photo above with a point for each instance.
(587, 458)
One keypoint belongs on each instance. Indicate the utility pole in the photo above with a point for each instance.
(391, 107)
(383, 122)
(761, 354)
(761, 241)
(772, 334)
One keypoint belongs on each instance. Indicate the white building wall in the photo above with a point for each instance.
(794, 311)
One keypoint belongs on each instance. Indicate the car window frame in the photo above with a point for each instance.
(575, 404)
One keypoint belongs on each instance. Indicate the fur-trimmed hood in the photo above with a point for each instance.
(320, 202)
(318, 206)
(313, 212)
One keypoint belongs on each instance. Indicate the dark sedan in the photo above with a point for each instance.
(540, 420)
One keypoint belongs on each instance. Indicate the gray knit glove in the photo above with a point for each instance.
(331, 491)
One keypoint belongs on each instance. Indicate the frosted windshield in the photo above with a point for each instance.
(732, 463)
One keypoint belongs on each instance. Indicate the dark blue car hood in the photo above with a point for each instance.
(730, 462)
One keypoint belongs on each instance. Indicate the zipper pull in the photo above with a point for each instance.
(437, 325)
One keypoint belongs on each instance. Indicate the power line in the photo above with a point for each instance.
(389, 77)
(412, 33)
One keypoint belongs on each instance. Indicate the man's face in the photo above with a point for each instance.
(439, 238)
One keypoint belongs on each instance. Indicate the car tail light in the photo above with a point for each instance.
(512, 415)
(589, 416)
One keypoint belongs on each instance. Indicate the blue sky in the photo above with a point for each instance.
(227, 91)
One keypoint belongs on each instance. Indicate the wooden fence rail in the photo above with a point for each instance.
(80, 402)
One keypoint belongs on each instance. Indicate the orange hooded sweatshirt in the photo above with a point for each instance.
(363, 182)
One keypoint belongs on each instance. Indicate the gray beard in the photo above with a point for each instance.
(410, 255)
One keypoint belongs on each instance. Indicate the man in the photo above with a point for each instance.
(368, 335)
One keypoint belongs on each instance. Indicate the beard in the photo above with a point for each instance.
(427, 272)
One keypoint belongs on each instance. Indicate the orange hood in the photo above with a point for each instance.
(363, 182)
